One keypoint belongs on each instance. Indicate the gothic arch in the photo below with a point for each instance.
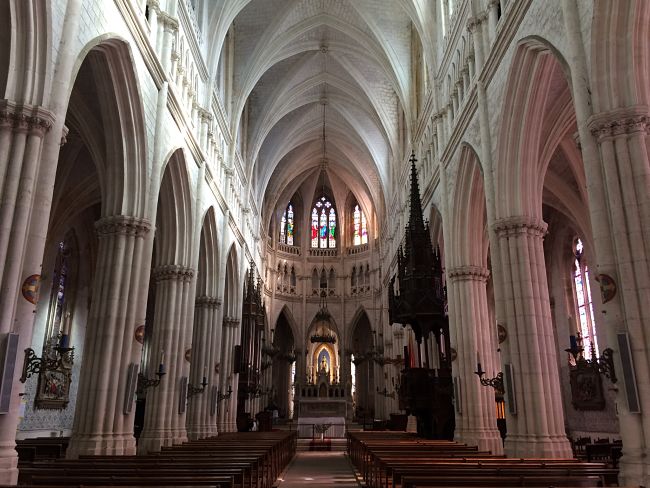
(232, 288)
(526, 124)
(208, 266)
(291, 321)
(355, 321)
(174, 216)
(123, 174)
(469, 212)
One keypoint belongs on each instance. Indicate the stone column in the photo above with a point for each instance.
(164, 422)
(100, 426)
(476, 414)
(233, 379)
(206, 353)
(537, 429)
(225, 378)
(622, 241)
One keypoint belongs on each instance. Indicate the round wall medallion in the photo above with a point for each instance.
(453, 354)
(30, 288)
(502, 333)
(607, 287)
(188, 354)
(139, 334)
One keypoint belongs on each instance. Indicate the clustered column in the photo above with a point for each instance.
(475, 340)
(164, 422)
(539, 430)
(100, 426)
(228, 408)
(206, 351)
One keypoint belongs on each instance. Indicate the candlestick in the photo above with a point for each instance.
(573, 342)
(65, 340)
(161, 366)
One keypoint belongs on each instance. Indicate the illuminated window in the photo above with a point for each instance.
(323, 224)
(286, 226)
(359, 227)
(584, 306)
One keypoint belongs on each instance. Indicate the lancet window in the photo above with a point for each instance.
(583, 303)
(323, 224)
(287, 226)
(359, 227)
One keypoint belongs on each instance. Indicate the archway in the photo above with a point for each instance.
(284, 366)
(362, 369)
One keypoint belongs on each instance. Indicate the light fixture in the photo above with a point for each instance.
(496, 382)
(54, 356)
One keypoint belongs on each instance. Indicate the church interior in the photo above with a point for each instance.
(278, 243)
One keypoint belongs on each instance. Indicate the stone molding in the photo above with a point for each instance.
(620, 121)
(122, 225)
(230, 322)
(522, 224)
(169, 23)
(173, 272)
(205, 301)
(25, 118)
(468, 273)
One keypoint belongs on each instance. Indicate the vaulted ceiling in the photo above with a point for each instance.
(320, 79)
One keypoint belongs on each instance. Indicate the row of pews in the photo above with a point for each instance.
(401, 460)
(237, 460)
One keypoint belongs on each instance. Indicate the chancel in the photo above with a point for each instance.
(334, 242)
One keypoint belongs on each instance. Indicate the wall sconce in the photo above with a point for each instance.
(53, 358)
(385, 393)
(195, 390)
(496, 382)
(603, 364)
(144, 382)
(224, 396)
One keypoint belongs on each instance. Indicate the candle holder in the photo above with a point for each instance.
(195, 390)
(53, 358)
(224, 396)
(496, 382)
(385, 393)
(144, 382)
(603, 365)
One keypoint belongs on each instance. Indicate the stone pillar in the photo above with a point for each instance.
(226, 377)
(622, 155)
(233, 379)
(493, 19)
(537, 429)
(164, 422)
(476, 422)
(206, 352)
(100, 426)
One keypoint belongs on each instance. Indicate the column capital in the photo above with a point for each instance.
(122, 225)
(230, 322)
(521, 224)
(473, 23)
(25, 118)
(207, 302)
(173, 272)
(619, 121)
(468, 273)
(170, 23)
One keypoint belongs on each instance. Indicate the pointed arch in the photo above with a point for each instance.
(208, 268)
(232, 285)
(527, 126)
(174, 216)
(469, 232)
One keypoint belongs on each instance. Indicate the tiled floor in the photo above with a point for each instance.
(318, 470)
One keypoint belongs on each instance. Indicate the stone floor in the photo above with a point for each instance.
(318, 470)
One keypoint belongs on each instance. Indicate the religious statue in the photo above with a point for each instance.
(323, 365)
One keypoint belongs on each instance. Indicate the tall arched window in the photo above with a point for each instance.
(360, 228)
(286, 226)
(323, 224)
(584, 307)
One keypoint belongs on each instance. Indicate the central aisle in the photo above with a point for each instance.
(318, 470)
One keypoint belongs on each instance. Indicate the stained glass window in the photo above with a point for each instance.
(290, 225)
(356, 218)
(584, 304)
(323, 224)
(314, 228)
(283, 225)
(360, 230)
(332, 231)
(323, 228)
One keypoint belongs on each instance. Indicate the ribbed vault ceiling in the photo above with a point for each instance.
(304, 65)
